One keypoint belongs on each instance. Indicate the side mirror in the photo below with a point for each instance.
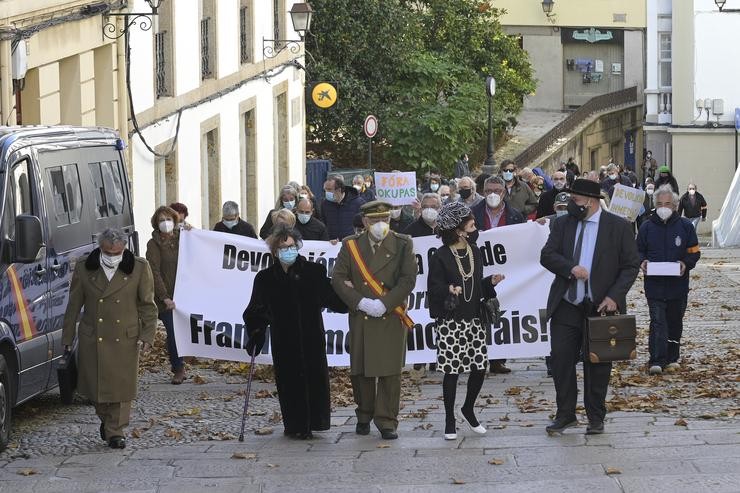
(28, 239)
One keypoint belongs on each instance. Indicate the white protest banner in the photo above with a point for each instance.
(626, 202)
(396, 188)
(216, 272)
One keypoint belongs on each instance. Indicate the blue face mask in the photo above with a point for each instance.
(508, 175)
(329, 196)
(561, 213)
(288, 255)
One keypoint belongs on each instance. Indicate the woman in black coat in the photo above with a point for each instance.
(456, 273)
(289, 297)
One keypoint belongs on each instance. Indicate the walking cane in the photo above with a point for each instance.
(246, 395)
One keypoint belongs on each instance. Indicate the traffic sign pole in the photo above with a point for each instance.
(371, 128)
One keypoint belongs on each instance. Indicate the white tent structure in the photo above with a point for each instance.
(726, 229)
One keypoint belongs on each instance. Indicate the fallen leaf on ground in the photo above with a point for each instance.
(613, 470)
(244, 455)
(496, 462)
(27, 472)
(193, 411)
(198, 380)
(681, 422)
(263, 431)
(383, 445)
(272, 466)
(457, 481)
(173, 433)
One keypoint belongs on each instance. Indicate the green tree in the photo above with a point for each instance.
(420, 67)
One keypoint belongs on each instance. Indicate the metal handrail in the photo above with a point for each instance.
(593, 105)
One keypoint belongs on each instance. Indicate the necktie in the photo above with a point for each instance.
(573, 289)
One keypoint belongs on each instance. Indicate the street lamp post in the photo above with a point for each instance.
(490, 91)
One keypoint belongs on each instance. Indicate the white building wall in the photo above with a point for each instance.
(225, 108)
(717, 67)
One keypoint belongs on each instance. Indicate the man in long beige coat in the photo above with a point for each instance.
(117, 292)
(377, 334)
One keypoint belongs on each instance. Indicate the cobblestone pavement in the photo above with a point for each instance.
(672, 433)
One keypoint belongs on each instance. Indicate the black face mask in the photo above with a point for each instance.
(465, 193)
(577, 211)
(473, 237)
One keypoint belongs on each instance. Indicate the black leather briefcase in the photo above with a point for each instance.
(611, 338)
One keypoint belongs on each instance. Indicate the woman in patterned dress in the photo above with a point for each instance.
(456, 273)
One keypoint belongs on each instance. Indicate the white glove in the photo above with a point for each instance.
(365, 305)
(377, 307)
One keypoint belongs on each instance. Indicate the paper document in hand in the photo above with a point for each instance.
(663, 269)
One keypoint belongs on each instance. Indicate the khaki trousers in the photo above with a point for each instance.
(378, 399)
(114, 416)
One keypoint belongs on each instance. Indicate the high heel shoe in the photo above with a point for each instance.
(475, 426)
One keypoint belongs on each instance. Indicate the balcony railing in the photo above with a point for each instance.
(245, 47)
(160, 63)
(594, 105)
(659, 106)
(206, 70)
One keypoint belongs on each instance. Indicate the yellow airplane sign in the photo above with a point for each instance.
(324, 95)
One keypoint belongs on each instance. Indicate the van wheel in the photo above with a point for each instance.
(6, 404)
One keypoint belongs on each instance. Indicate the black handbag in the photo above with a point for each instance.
(490, 312)
(452, 301)
(67, 377)
(610, 338)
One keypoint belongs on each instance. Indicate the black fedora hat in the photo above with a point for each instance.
(587, 188)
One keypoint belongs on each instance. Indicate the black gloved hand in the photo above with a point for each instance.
(254, 344)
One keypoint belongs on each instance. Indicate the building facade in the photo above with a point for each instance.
(579, 49)
(691, 99)
(215, 118)
(55, 65)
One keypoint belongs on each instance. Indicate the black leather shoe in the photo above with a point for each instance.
(362, 428)
(304, 435)
(117, 442)
(595, 428)
(102, 432)
(499, 367)
(561, 424)
(388, 434)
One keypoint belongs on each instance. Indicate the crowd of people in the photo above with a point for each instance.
(595, 256)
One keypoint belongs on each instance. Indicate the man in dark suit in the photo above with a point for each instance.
(587, 240)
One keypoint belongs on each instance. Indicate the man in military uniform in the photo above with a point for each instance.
(116, 290)
(374, 274)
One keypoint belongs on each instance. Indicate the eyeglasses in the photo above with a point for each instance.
(509, 169)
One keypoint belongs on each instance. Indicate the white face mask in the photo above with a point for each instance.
(288, 204)
(434, 187)
(692, 191)
(649, 190)
(379, 230)
(664, 213)
(358, 187)
(395, 213)
(110, 261)
(493, 200)
(429, 215)
(561, 213)
(612, 177)
(230, 224)
(167, 226)
(304, 218)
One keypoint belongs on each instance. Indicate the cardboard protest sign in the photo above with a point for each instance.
(626, 202)
(396, 188)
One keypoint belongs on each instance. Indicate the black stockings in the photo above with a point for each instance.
(449, 389)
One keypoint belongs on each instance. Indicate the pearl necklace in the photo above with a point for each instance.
(466, 276)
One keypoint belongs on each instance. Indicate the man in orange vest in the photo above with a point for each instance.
(374, 274)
